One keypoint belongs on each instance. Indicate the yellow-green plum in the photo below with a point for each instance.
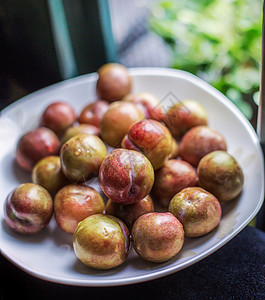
(157, 237)
(126, 176)
(198, 210)
(131, 212)
(81, 157)
(101, 241)
(151, 138)
(28, 208)
(48, 173)
(73, 203)
(79, 129)
(220, 174)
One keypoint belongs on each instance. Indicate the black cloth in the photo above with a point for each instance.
(236, 271)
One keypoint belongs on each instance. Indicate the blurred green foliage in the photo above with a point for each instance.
(219, 41)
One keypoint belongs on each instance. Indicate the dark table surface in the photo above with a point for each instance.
(236, 271)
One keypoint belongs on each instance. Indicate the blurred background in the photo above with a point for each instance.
(46, 41)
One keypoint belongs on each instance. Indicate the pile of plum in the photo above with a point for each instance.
(163, 178)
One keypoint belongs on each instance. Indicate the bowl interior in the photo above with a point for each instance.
(49, 255)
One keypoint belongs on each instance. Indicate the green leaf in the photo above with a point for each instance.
(219, 41)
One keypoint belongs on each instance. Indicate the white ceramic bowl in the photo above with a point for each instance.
(49, 255)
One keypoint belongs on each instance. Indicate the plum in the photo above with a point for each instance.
(117, 121)
(151, 138)
(126, 176)
(58, 116)
(184, 115)
(157, 237)
(198, 210)
(28, 208)
(34, 145)
(93, 113)
(48, 174)
(198, 142)
(81, 157)
(129, 213)
(220, 174)
(73, 203)
(114, 82)
(175, 149)
(148, 103)
(101, 241)
(82, 128)
(171, 178)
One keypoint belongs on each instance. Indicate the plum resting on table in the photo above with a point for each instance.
(75, 202)
(198, 211)
(81, 157)
(35, 145)
(48, 174)
(28, 209)
(157, 237)
(126, 176)
(117, 120)
(58, 116)
(131, 212)
(220, 174)
(101, 241)
(114, 82)
(151, 138)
